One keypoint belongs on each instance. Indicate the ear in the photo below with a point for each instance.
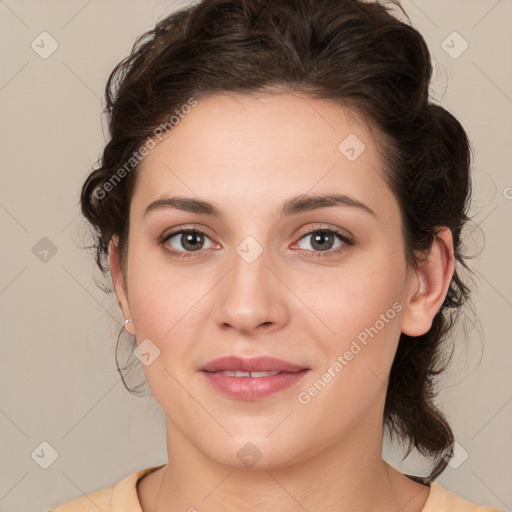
(119, 282)
(429, 285)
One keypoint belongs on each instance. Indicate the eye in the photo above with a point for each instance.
(185, 241)
(324, 240)
(189, 242)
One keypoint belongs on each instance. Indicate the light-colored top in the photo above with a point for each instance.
(123, 498)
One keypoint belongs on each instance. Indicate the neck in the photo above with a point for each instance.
(345, 476)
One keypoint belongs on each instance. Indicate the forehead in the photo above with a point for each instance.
(261, 146)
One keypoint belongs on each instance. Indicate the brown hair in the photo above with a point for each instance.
(354, 53)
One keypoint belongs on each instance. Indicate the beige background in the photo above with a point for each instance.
(58, 379)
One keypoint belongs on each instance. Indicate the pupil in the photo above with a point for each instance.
(320, 240)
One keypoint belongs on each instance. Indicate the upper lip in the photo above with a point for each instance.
(255, 364)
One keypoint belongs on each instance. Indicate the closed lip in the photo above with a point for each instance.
(254, 364)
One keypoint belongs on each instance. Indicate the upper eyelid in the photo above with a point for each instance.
(324, 227)
(185, 227)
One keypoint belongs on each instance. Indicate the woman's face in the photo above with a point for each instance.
(265, 278)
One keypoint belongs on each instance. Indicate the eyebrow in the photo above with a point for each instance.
(293, 206)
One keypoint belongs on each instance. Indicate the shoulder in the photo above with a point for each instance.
(122, 496)
(92, 502)
(441, 500)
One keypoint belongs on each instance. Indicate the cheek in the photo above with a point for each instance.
(362, 306)
(165, 299)
(363, 315)
(354, 297)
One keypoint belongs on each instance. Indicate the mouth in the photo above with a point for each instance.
(247, 374)
(252, 379)
(255, 365)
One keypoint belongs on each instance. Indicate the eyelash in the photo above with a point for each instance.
(332, 231)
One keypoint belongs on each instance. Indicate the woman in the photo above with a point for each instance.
(280, 209)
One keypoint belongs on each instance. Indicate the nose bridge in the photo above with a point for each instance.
(250, 295)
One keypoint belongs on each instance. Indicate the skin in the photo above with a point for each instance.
(248, 154)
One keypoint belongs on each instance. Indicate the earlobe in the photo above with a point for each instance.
(118, 280)
(429, 285)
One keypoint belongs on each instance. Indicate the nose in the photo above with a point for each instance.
(251, 298)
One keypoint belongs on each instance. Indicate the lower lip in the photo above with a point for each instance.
(252, 388)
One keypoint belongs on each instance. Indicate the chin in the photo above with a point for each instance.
(258, 452)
